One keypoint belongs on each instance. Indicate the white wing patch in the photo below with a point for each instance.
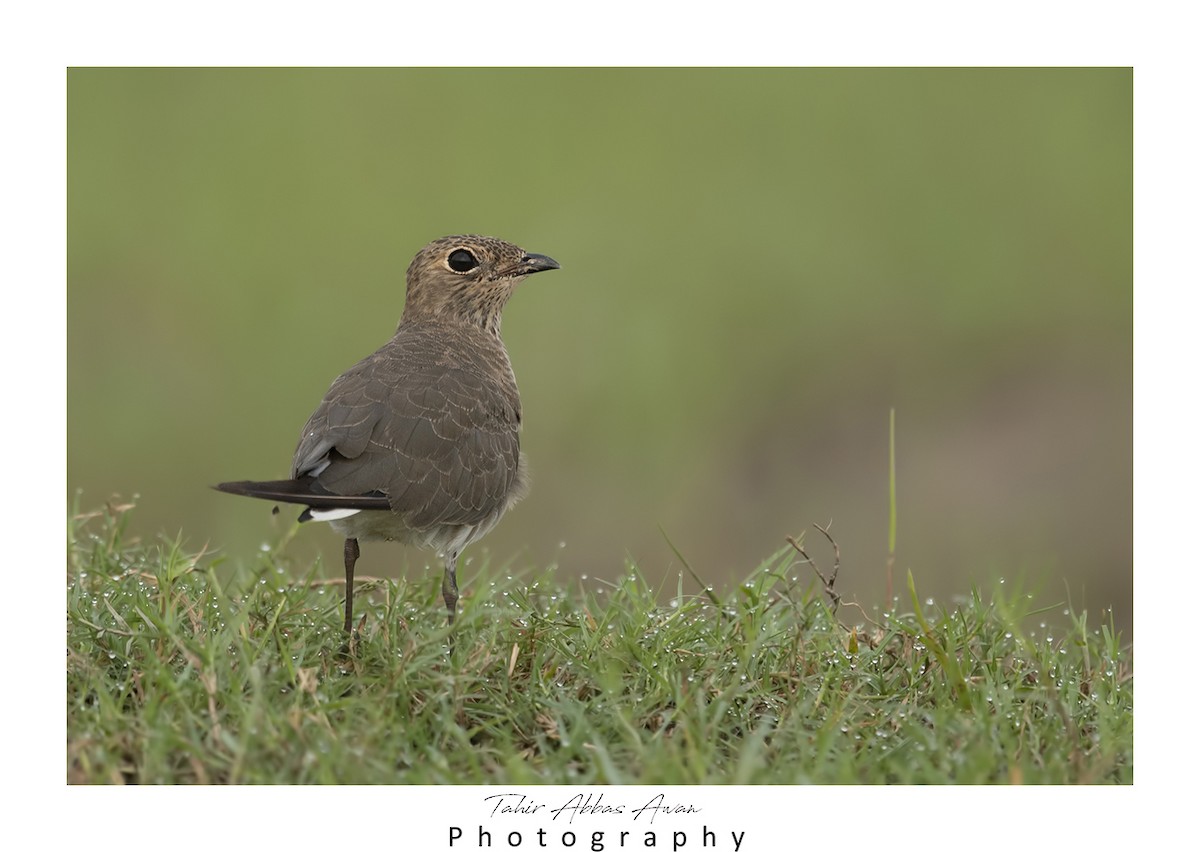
(331, 514)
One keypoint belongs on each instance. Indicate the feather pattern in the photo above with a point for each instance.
(431, 419)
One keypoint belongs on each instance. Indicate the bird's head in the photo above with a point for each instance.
(468, 278)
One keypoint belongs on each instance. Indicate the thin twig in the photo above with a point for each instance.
(837, 551)
(705, 587)
(827, 582)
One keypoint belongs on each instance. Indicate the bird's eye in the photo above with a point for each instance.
(461, 260)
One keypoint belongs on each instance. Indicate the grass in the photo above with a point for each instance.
(181, 669)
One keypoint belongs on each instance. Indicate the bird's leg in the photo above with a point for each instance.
(351, 554)
(450, 585)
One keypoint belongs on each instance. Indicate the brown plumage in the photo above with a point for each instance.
(419, 442)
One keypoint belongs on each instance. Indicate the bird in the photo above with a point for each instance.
(419, 442)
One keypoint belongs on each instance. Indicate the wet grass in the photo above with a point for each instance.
(182, 668)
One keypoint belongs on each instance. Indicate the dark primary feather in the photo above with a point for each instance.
(304, 491)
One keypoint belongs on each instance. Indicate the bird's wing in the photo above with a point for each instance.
(433, 425)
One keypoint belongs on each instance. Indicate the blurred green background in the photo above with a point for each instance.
(756, 265)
